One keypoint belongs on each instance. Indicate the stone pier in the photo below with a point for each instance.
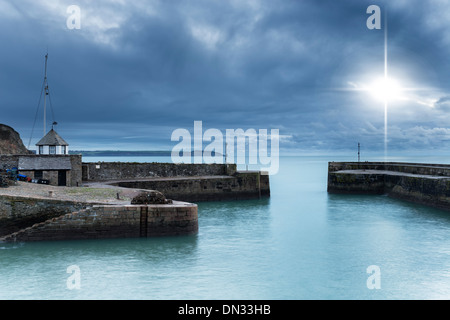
(100, 222)
(427, 184)
(62, 213)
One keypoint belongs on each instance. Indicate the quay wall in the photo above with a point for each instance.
(248, 185)
(354, 183)
(184, 182)
(18, 212)
(427, 184)
(114, 221)
(413, 168)
(103, 171)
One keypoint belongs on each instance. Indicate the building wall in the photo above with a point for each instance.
(73, 176)
(9, 161)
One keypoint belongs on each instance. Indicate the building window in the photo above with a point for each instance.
(52, 150)
(63, 149)
(41, 149)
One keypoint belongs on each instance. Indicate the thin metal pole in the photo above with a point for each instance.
(385, 81)
(46, 93)
(359, 153)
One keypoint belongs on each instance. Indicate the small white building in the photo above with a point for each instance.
(52, 144)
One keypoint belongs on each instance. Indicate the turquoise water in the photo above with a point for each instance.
(302, 243)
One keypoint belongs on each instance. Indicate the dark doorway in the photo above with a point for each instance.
(38, 174)
(62, 178)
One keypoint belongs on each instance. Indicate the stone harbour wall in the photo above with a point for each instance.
(403, 167)
(427, 184)
(102, 171)
(184, 182)
(339, 182)
(114, 221)
(18, 212)
(248, 185)
(431, 191)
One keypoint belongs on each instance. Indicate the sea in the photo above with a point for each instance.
(300, 244)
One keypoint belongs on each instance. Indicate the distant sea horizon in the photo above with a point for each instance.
(371, 155)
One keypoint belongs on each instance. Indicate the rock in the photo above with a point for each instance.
(10, 141)
(150, 197)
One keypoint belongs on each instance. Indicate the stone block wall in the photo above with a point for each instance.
(427, 184)
(102, 171)
(413, 168)
(356, 183)
(9, 161)
(101, 222)
(20, 212)
(73, 176)
(428, 191)
(242, 185)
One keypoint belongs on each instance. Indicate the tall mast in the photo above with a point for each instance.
(46, 93)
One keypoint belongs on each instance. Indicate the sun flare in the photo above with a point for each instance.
(386, 89)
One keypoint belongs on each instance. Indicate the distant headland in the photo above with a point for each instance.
(121, 153)
(128, 153)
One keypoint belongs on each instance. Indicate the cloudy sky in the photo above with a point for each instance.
(137, 70)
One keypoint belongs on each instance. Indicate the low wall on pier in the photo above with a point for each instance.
(248, 185)
(184, 182)
(104, 171)
(427, 184)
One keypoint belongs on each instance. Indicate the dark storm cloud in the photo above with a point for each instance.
(136, 71)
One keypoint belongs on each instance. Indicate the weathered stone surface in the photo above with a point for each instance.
(50, 162)
(150, 197)
(103, 171)
(242, 185)
(19, 212)
(10, 141)
(185, 182)
(113, 222)
(427, 184)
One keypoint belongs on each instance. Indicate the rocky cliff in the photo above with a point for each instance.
(10, 141)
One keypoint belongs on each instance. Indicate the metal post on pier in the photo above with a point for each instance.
(359, 152)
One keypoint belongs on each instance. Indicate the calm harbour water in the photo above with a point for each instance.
(302, 243)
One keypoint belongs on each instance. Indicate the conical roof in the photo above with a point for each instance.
(52, 138)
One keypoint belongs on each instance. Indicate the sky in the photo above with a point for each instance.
(135, 71)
